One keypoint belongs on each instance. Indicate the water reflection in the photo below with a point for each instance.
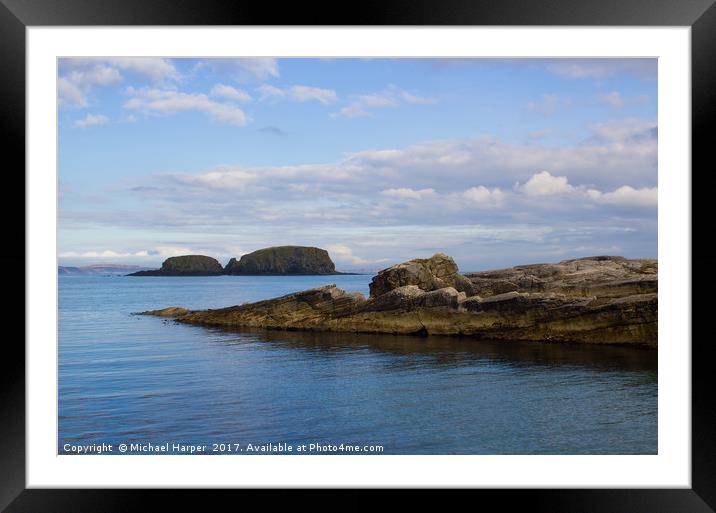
(455, 351)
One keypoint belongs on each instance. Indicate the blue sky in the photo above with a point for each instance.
(494, 161)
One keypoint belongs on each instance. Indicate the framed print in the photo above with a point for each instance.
(400, 250)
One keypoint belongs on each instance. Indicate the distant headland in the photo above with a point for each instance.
(100, 269)
(273, 261)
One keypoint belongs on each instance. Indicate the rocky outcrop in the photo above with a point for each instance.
(187, 265)
(425, 307)
(601, 276)
(437, 272)
(283, 260)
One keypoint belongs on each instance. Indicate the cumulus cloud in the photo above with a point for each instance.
(223, 178)
(481, 195)
(408, 193)
(154, 68)
(168, 101)
(97, 75)
(626, 195)
(544, 184)
(615, 155)
(454, 195)
(170, 251)
(297, 93)
(230, 93)
(341, 253)
(362, 104)
(79, 76)
(91, 120)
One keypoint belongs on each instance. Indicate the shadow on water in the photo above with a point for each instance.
(455, 351)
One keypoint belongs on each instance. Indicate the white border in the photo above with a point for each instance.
(670, 468)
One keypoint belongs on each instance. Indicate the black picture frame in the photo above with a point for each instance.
(700, 15)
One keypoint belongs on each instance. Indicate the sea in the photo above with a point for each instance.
(150, 385)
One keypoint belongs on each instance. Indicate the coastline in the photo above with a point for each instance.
(600, 300)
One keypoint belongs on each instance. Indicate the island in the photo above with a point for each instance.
(186, 265)
(283, 260)
(595, 300)
(273, 261)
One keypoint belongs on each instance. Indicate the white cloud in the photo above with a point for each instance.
(235, 179)
(596, 184)
(73, 87)
(69, 93)
(362, 104)
(161, 252)
(79, 76)
(91, 120)
(344, 254)
(100, 75)
(544, 184)
(481, 195)
(407, 193)
(230, 93)
(171, 251)
(154, 68)
(165, 101)
(626, 195)
(107, 253)
(449, 166)
(302, 93)
(298, 93)
(260, 67)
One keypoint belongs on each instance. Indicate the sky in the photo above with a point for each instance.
(496, 162)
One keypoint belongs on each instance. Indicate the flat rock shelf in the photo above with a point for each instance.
(594, 300)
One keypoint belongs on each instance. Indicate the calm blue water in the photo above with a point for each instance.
(136, 379)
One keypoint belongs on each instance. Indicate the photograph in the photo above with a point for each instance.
(365, 256)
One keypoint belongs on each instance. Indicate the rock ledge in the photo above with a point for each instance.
(593, 301)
